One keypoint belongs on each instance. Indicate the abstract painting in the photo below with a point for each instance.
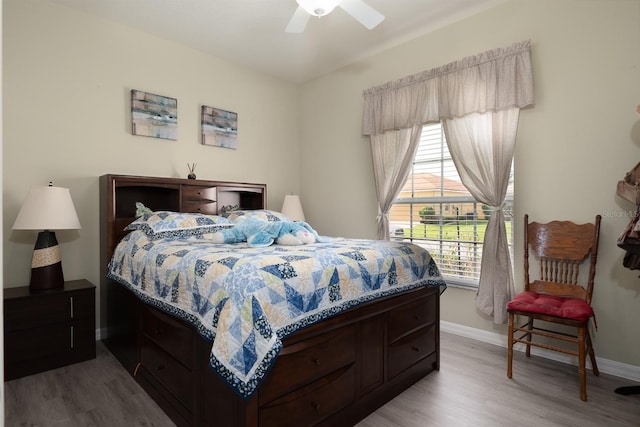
(154, 115)
(219, 127)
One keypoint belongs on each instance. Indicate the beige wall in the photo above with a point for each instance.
(581, 137)
(66, 82)
(67, 78)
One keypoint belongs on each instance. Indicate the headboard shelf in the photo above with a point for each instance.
(155, 198)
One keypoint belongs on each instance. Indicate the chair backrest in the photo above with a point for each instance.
(561, 247)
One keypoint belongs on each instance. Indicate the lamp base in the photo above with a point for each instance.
(46, 265)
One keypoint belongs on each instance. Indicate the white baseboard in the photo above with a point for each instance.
(101, 333)
(606, 366)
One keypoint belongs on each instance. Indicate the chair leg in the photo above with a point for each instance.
(529, 336)
(592, 355)
(510, 347)
(582, 363)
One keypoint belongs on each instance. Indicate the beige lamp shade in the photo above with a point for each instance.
(47, 208)
(292, 207)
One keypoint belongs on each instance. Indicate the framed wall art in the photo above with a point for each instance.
(154, 115)
(219, 127)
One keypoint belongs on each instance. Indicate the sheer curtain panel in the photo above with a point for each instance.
(478, 99)
(393, 154)
(482, 147)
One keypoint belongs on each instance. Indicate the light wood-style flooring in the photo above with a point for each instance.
(471, 389)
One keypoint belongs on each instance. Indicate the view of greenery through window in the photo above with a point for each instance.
(435, 211)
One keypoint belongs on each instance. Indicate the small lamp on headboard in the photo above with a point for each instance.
(47, 208)
(292, 207)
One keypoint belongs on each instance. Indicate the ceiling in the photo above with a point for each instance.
(251, 32)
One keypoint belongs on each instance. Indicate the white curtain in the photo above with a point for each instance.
(478, 99)
(393, 154)
(482, 146)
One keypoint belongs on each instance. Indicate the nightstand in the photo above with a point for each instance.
(48, 329)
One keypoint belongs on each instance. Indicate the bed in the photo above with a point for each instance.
(234, 335)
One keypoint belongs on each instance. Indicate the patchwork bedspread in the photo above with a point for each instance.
(246, 300)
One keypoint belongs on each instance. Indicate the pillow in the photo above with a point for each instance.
(263, 214)
(161, 224)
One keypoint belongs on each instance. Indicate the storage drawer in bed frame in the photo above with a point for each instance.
(313, 402)
(411, 335)
(332, 373)
(167, 361)
(303, 363)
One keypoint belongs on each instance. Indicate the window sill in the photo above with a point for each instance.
(460, 284)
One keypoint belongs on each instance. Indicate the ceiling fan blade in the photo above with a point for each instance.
(362, 12)
(298, 21)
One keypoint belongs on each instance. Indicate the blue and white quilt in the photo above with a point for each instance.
(246, 299)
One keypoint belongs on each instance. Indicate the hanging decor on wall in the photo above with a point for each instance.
(154, 115)
(219, 127)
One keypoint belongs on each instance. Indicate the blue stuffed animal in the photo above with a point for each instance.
(296, 233)
(229, 235)
(258, 232)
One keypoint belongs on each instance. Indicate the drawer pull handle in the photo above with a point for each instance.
(160, 368)
(417, 317)
(317, 362)
(416, 349)
(158, 332)
(316, 406)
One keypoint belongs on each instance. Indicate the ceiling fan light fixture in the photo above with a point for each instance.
(318, 7)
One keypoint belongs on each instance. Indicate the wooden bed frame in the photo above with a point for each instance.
(335, 372)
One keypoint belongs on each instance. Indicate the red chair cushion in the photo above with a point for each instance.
(552, 305)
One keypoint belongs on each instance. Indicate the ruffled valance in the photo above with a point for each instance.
(495, 80)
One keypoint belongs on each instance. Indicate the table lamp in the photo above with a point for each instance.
(292, 207)
(47, 208)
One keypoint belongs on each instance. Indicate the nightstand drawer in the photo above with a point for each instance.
(46, 341)
(41, 310)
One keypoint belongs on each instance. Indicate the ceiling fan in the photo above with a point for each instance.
(362, 12)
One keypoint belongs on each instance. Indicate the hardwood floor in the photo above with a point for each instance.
(471, 389)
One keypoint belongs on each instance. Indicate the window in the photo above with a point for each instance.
(435, 211)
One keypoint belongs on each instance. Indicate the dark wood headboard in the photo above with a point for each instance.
(119, 194)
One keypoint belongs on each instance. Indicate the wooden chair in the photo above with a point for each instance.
(557, 296)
